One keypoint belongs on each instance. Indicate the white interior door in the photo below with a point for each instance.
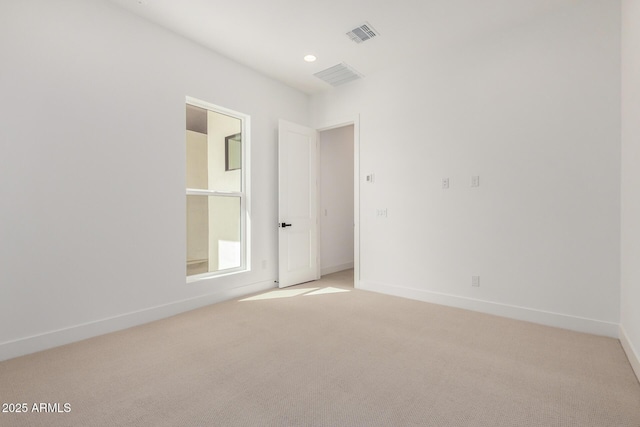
(298, 212)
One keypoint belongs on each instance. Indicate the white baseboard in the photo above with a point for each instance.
(32, 344)
(631, 351)
(336, 268)
(558, 320)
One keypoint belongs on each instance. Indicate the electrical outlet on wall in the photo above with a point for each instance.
(475, 281)
(445, 183)
(475, 181)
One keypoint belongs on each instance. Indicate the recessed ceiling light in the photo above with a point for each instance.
(310, 58)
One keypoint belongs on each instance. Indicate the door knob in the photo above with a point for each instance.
(285, 225)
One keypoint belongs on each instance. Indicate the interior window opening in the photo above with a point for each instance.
(216, 193)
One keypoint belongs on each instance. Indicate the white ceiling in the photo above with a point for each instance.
(272, 36)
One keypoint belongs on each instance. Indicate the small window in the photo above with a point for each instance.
(216, 190)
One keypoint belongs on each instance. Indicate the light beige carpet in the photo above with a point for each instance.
(330, 357)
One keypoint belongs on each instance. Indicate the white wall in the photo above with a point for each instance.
(336, 199)
(92, 170)
(630, 298)
(534, 110)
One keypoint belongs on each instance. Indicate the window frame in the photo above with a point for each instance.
(243, 194)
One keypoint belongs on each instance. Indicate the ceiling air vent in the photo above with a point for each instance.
(338, 74)
(362, 33)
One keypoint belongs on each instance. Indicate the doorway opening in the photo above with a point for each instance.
(337, 207)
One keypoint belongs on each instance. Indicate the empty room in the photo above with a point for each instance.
(336, 213)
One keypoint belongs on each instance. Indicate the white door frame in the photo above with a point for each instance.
(338, 123)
